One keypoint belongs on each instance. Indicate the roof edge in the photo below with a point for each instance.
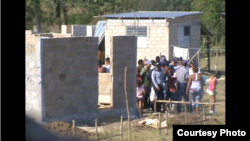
(110, 16)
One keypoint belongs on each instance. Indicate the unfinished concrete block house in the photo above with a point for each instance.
(62, 81)
(157, 31)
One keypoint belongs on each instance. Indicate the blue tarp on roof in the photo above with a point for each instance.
(152, 14)
(100, 30)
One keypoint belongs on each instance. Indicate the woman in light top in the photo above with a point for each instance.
(212, 90)
(195, 89)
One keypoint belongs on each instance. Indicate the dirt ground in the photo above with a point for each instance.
(64, 129)
(112, 126)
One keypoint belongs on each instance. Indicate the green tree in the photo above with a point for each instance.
(211, 17)
(33, 12)
(61, 9)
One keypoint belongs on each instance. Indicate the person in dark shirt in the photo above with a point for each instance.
(140, 64)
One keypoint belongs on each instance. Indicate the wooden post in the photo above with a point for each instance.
(216, 64)
(159, 126)
(185, 114)
(190, 105)
(96, 129)
(204, 112)
(126, 96)
(121, 128)
(170, 103)
(155, 104)
(74, 128)
(198, 55)
(208, 54)
(166, 116)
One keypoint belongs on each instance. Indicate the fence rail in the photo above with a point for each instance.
(182, 102)
(186, 121)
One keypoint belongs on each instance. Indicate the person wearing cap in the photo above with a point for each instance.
(153, 63)
(173, 63)
(182, 80)
(157, 80)
(146, 83)
(176, 65)
(163, 60)
(180, 61)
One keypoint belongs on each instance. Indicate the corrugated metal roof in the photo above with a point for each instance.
(100, 30)
(151, 14)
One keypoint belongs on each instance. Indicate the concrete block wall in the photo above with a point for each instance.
(66, 29)
(123, 53)
(157, 36)
(59, 81)
(157, 42)
(79, 30)
(69, 83)
(105, 88)
(112, 30)
(83, 30)
(33, 90)
(194, 22)
(61, 84)
(60, 35)
(90, 30)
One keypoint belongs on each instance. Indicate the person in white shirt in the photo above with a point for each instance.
(152, 64)
(182, 79)
(192, 66)
(107, 65)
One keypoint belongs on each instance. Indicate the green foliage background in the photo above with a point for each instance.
(54, 13)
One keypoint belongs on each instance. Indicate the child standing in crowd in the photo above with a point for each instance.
(212, 90)
(139, 95)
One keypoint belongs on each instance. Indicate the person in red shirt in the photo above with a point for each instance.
(171, 83)
(100, 66)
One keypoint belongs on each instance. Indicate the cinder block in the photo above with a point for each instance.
(47, 78)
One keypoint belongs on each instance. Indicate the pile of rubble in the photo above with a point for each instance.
(152, 122)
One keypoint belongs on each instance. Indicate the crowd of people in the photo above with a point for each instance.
(161, 79)
(104, 68)
(164, 80)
